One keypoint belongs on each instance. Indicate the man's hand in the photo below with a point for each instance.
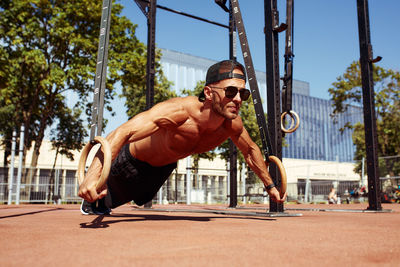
(275, 196)
(87, 190)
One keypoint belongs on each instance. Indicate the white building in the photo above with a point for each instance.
(209, 183)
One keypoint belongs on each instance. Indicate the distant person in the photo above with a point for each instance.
(355, 193)
(146, 148)
(332, 197)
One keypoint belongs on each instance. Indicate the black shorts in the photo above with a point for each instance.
(132, 179)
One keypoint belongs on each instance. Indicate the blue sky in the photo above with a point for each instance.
(325, 36)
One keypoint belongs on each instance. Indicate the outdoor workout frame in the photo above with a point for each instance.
(272, 28)
(235, 17)
(371, 139)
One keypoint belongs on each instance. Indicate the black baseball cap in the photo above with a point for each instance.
(221, 71)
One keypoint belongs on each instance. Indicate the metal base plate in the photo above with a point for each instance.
(230, 212)
(344, 210)
(326, 210)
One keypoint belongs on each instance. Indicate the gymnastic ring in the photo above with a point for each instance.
(278, 163)
(106, 165)
(296, 118)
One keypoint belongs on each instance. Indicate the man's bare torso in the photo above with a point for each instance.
(197, 132)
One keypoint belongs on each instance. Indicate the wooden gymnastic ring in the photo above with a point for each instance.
(278, 162)
(106, 165)
(296, 118)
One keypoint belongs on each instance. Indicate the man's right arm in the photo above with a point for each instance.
(163, 115)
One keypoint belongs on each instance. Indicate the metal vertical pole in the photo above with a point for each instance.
(307, 187)
(160, 195)
(188, 183)
(273, 90)
(233, 175)
(243, 174)
(151, 48)
(232, 147)
(11, 175)
(150, 67)
(371, 140)
(362, 171)
(176, 186)
(228, 181)
(21, 154)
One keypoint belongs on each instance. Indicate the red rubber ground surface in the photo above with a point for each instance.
(58, 235)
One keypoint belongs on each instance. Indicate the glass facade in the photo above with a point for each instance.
(318, 137)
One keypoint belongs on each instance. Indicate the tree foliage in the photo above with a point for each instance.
(134, 84)
(347, 90)
(48, 53)
(65, 137)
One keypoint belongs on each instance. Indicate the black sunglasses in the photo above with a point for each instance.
(231, 91)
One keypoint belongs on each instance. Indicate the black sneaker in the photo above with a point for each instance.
(96, 208)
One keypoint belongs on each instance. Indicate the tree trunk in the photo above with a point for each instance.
(47, 113)
(5, 165)
(52, 178)
(36, 152)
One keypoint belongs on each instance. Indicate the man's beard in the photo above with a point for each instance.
(219, 109)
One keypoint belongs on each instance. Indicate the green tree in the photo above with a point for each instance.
(134, 84)
(48, 52)
(347, 90)
(68, 135)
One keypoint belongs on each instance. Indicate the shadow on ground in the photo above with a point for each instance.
(102, 221)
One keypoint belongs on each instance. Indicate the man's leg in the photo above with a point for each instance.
(150, 182)
(122, 179)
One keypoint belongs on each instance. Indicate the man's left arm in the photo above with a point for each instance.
(255, 160)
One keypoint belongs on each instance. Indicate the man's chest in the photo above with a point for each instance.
(192, 138)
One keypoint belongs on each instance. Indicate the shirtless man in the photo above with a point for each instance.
(146, 148)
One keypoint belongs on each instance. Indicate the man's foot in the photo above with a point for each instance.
(96, 208)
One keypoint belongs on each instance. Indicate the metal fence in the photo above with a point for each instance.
(61, 186)
(65, 190)
(50, 186)
(40, 193)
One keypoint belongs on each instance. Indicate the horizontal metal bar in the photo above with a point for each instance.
(188, 15)
(192, 16)
(343, 210)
